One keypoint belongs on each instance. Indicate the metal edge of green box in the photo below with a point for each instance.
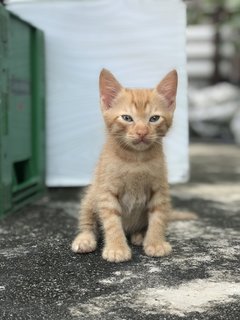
(20, 188)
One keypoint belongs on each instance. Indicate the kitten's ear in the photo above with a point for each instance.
(109, 88)
(168, 89)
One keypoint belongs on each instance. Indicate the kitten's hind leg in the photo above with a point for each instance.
(137, 238)
(86, 240)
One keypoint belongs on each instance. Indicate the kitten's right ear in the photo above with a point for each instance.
(168, 89)
(109, 88)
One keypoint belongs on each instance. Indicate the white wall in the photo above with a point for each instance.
(138, 40)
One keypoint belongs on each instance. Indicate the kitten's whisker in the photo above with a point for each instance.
(159, 142)
(123, 144)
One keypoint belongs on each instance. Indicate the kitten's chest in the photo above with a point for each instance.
(135, 193)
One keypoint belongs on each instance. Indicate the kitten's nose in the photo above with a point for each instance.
(142, 132)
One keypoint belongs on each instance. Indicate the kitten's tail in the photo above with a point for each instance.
(182, 215)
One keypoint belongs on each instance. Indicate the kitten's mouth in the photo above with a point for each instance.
(141, 141)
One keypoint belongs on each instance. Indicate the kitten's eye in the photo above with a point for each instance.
(154, 119)
(127, 118)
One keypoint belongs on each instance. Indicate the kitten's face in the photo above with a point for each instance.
(137, 118)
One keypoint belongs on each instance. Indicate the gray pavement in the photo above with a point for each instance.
(40, 278)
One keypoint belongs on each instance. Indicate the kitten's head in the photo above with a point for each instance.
(137, 118)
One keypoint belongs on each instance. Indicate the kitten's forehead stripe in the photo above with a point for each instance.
(140, 98)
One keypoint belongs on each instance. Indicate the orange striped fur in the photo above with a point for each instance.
(129, 193)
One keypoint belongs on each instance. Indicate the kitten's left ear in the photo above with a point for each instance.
(168, 89)
(109, 88)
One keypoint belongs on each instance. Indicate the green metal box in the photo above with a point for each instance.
(22, 119)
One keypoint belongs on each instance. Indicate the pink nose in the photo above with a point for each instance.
(142, 132)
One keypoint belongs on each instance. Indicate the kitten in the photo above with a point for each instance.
(129, 194)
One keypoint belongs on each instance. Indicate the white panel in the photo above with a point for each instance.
(138, 40)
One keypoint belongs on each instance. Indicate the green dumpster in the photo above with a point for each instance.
(22, 118)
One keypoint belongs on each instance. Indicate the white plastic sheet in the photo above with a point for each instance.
(138, 40)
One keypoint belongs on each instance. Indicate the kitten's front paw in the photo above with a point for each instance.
(84, 242)
(157, 250)
(118, 254)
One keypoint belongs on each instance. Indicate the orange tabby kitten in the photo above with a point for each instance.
(129, 194)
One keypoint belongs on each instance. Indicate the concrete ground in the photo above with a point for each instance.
(40, 278)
